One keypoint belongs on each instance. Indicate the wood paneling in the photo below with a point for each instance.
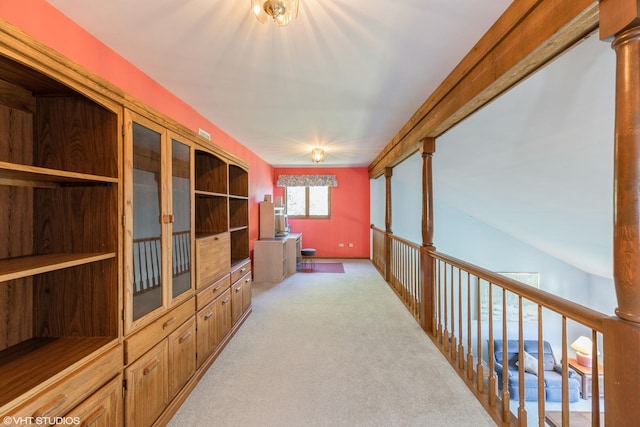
(73, 302)
(75, 134)
(16, 306)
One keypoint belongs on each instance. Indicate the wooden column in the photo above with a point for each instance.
(620, 22)
(427, 313)
(388, 173)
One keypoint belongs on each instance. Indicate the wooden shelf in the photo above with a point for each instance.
(209, 194)
(238, 228)
(16, 268)
(34, 176)
(32, 362)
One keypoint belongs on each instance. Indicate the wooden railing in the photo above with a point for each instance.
(147, 254)
(477, 313)
(377, 243)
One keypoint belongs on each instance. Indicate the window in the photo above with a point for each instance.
(308, 202)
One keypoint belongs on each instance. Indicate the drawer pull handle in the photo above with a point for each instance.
(47, 408)
(95, 416)
(151, 366)
(208, 315)
(243, 269)
(184, 337)
(216, 238)
(248, 280)
(239, 288)
(217, 288)
(168, 323)
(226, 300)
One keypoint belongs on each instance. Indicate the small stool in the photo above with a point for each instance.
(308, 257)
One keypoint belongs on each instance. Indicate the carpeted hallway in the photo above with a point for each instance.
(330, 349)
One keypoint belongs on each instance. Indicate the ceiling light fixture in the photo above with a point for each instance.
(317, 155)
(282, 11)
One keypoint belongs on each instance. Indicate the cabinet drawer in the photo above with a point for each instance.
(182, 356)
(240, 271)
(147, 387)
(213, 258)
(211, 292)
(60, 398)
(102, 409)
(137, 344)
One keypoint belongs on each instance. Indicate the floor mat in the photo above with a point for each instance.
(322, 267)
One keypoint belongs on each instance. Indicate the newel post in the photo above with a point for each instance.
(388, 173)
(620, 22)
(427, 312)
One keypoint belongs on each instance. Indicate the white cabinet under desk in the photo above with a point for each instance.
(274, 259)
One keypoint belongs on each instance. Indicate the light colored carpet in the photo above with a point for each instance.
(330, 350)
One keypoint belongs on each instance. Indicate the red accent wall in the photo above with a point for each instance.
(45, 23)
(349, 222)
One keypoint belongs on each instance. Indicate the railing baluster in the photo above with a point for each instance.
(460, 327)
(505, 361)
(491, 355)
(479, 367)
(565, 375)
(595, 380)
(406, 279)
(469, 347)
(541, 407)
(522, 411)
(445, 301)
(439, 297)
(453, 340)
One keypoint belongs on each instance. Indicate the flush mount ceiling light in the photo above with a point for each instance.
(317, 155)
(281, 11)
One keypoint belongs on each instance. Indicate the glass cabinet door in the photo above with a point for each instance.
(147, 201)
(181, 224)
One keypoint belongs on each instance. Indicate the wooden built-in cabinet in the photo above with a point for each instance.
(59, 241)
(124, 247)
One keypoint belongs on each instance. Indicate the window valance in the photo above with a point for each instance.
(307, 181)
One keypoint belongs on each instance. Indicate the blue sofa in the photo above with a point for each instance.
(552, 372)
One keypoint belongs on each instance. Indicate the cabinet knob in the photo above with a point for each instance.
(184, 337)
(168, 323)
(151, 366)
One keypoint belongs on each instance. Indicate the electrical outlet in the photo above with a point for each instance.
(341, 245)
(350, 245)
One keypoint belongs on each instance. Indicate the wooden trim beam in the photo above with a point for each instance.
(528, 35)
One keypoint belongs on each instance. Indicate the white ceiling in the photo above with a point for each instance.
(348, 74)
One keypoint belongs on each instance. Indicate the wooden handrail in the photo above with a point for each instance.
(591, 318)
